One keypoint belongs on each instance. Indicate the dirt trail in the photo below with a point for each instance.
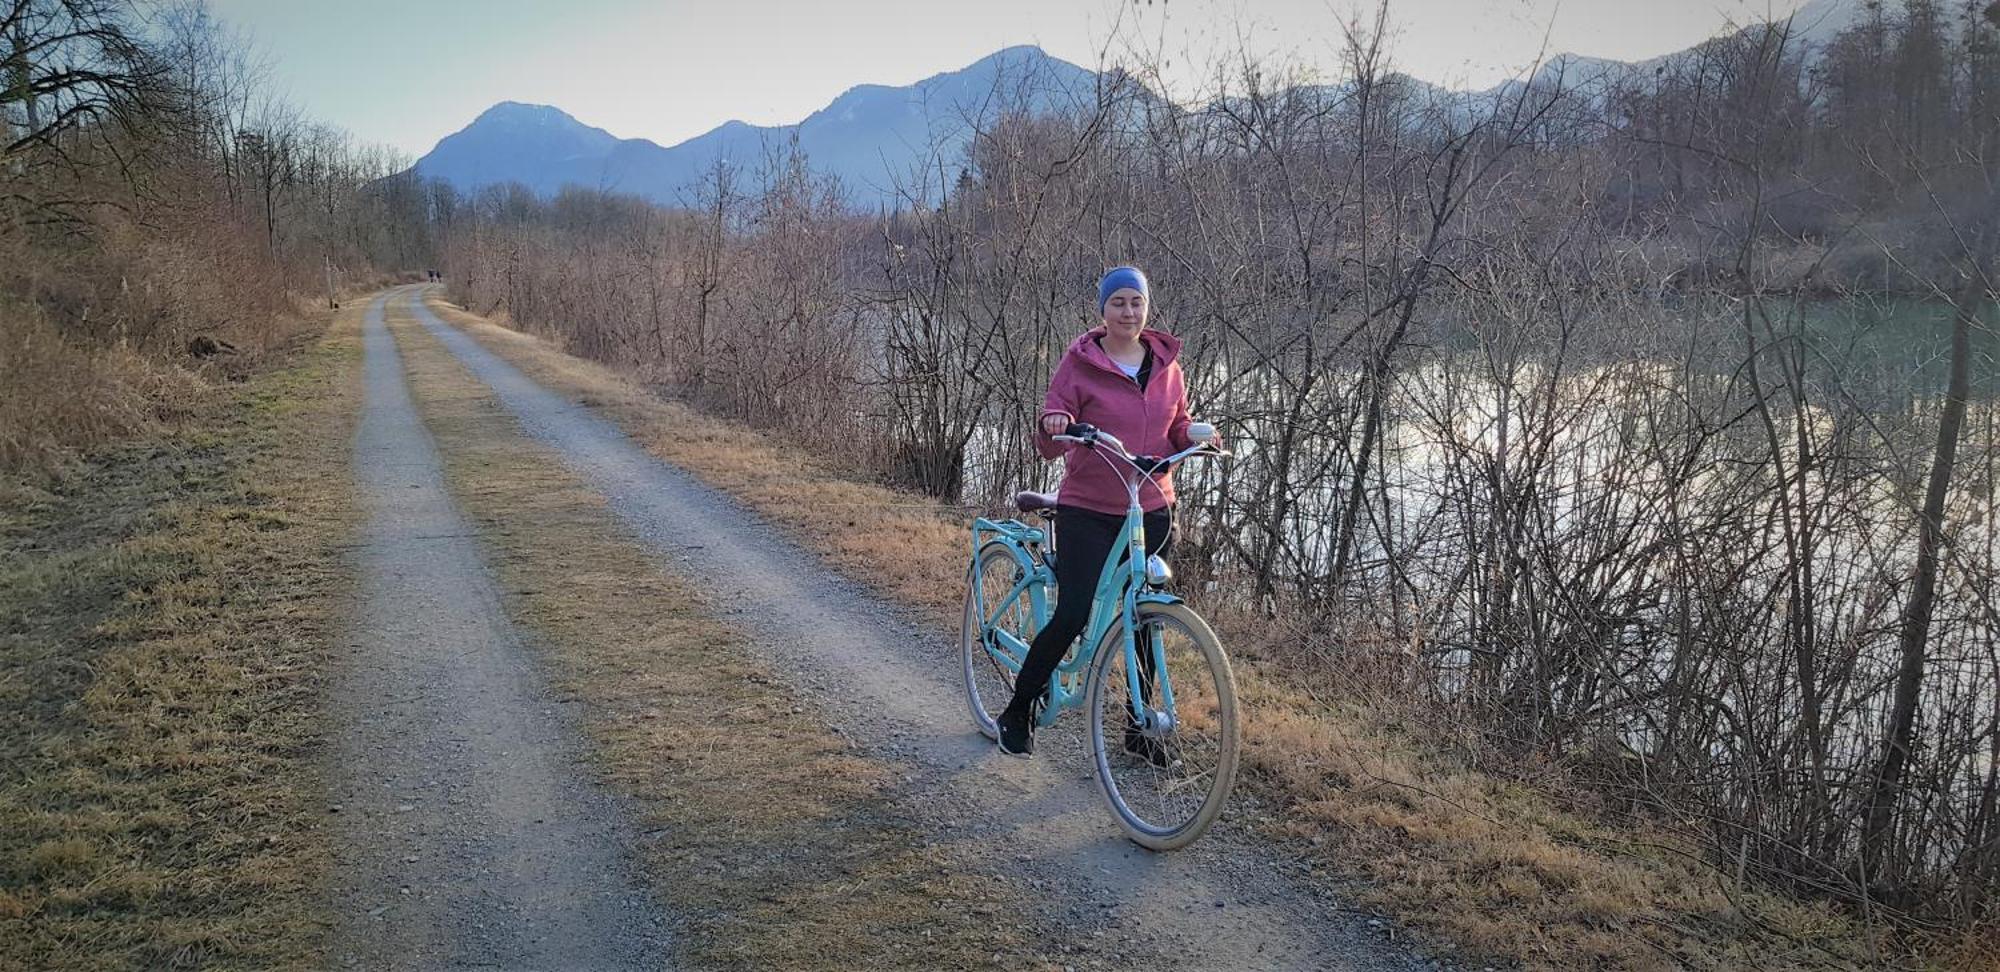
(893, 683)
(468, 835)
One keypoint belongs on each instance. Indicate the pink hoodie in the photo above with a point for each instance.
(1088, 387)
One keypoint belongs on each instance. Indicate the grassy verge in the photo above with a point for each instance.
(778, 844)
(165, 605)
(62, 398)
(1500, 870)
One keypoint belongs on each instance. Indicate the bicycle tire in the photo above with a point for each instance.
(983, 676)
(1208, 712)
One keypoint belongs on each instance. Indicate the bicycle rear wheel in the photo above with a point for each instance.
(1167, 774)
(989, 684)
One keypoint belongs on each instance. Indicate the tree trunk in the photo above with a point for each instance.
(1888, 783)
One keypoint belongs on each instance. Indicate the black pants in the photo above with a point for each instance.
(1083, 542)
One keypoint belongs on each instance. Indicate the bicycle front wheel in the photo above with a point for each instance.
(1165, 756)
(989, 584)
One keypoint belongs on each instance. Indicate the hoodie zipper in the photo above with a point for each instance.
(1145, 406)
(1145, 401)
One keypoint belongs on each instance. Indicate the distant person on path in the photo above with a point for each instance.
(1125, 379)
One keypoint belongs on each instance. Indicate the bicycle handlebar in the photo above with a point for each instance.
(1089, 435)
(1147, 467)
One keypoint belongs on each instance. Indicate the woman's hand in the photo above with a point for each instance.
(1055, 422)
(1211, 440)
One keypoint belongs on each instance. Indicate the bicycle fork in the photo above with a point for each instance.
(1141, 644)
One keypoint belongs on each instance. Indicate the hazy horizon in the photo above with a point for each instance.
(671, 71)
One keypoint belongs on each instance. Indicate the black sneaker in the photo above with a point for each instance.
(1017, 730)
(1144, 747)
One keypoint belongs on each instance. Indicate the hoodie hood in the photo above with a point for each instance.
(1165, 347)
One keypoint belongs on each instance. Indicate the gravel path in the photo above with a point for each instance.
(892, 684)
(467, 833)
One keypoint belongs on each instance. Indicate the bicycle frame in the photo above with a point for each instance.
(1121, 588)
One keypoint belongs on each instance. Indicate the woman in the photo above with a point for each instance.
(1125, 380)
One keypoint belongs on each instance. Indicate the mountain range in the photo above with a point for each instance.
(871, 137)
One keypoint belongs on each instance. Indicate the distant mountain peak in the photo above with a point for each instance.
(1018, 52)
(526, 113)
(505, 108)
(509, 139)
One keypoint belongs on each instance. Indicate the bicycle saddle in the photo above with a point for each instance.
(1031, 502)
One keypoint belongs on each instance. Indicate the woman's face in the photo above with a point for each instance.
(1125, 314)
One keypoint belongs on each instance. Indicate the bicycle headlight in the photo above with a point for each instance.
(1158, 574)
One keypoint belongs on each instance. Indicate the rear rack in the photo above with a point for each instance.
(984, 530)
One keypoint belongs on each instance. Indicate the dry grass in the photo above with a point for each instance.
(165, 606)
(1498, 869)
(59, 398)
(63, 397)
(780, 845)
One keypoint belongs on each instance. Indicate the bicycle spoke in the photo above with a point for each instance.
(1166, 804)
(989, 682)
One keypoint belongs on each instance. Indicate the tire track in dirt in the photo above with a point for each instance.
(467, 835)
(894, 686)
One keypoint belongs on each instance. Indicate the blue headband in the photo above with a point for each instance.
(1118, 279)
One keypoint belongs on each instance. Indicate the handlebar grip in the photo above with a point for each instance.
(1080, 430)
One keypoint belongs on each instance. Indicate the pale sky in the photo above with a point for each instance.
(406, 73)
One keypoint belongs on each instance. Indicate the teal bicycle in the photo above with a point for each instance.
(1148, 670)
